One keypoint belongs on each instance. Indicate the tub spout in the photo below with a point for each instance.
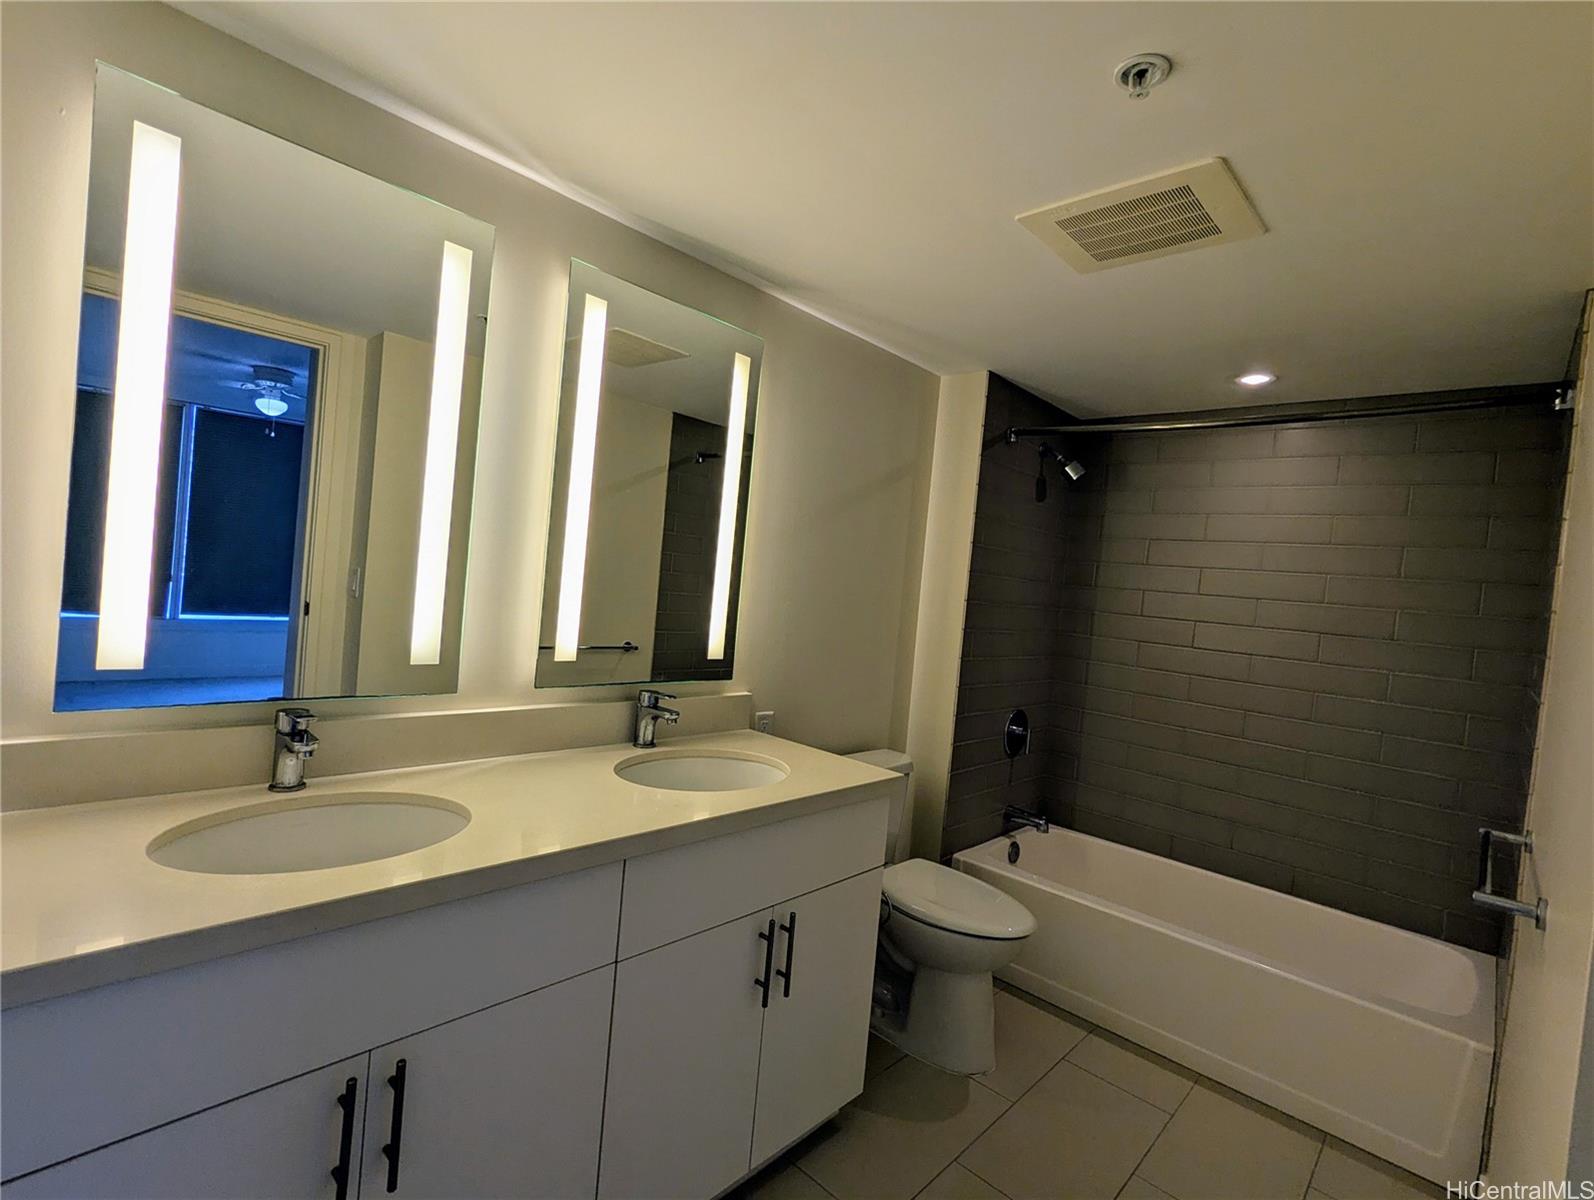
(1014, 817)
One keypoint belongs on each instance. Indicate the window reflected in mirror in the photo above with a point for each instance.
(651, 474)
(274, 427)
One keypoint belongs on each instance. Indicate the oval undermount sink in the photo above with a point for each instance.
(694, 771)
(309, 833)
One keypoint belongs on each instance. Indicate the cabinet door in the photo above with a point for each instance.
(505, 1102)
(816, 1036)
(282, 1141)
(683, 1065)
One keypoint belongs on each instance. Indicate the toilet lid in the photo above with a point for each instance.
(954, 901)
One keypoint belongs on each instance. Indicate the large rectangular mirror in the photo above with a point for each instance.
(278, 382)
(654, 452)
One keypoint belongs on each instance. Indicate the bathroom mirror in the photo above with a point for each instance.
(274, 428)
(653, 456)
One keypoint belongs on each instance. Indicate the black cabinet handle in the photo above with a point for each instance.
(396, 1134)
(790, 930)
(340, 1173)
(767, 936)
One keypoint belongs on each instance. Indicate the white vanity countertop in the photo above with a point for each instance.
(82, 904)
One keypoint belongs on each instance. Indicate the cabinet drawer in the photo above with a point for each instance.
(282, 1141)
(83, 1070)
(678, 892)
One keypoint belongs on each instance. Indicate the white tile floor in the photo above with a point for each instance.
(1070, 1113)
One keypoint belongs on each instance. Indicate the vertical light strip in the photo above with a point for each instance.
(442, 445)
(144, 324)
(578, 501)
(730, 494)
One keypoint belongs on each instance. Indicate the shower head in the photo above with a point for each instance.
(1071, 467)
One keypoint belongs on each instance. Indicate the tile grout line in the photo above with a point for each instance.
(1126, 1091)
(958, 1163)
(1140, 1162)
(1093, 1030)
(1311, 1177)
(814, 1181)
(957, 1158)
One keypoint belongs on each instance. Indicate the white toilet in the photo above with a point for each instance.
(949, 931)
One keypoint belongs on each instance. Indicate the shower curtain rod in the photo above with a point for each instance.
(1554, 395)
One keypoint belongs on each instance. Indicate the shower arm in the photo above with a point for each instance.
(1555, 395)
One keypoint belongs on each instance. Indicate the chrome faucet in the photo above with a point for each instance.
(1014, 817)
(649, 712)
(295, 743)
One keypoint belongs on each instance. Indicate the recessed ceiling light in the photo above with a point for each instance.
(1256, 379)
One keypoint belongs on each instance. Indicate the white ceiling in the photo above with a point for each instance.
(1426, 170)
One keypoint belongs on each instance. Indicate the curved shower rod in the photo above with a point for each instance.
(1555, 395)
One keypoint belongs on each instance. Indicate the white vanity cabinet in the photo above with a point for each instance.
(731, 1043)
(815, 1039)
(635, 1030)
(516, 978)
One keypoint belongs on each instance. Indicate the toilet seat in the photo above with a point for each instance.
(959, 903)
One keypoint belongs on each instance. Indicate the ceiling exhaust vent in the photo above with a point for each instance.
(1188, 209)
(624, 348)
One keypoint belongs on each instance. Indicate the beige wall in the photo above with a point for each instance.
(398, 382)
(840, 476)
(949, 546)
(1547, 1013)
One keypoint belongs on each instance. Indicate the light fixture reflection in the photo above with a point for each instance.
(1255, 379)
(144, 325)
(442, 445)
(730, 494)
(578, 503)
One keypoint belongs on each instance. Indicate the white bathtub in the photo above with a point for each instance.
(1379, 1036)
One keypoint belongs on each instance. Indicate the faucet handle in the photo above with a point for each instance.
(650, 698)
(294, 720)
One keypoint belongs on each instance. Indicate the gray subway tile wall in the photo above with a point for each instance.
(686, 566)
(1304, 656)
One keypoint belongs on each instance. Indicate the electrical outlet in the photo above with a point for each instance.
(764, 721)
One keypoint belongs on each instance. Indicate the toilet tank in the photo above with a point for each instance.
(897, 827)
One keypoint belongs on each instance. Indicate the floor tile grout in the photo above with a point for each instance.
(814, 1181)
(1091, 1030)
(978, 1176)
(1167, 1121)
(1082, 1067)
(1312, 1174)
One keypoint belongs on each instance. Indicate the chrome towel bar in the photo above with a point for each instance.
(1484, 894)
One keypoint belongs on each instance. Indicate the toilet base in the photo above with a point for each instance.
(951, 1021)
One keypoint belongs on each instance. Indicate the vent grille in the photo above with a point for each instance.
(1179, 210)
(1155, 222)
(624, 348)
